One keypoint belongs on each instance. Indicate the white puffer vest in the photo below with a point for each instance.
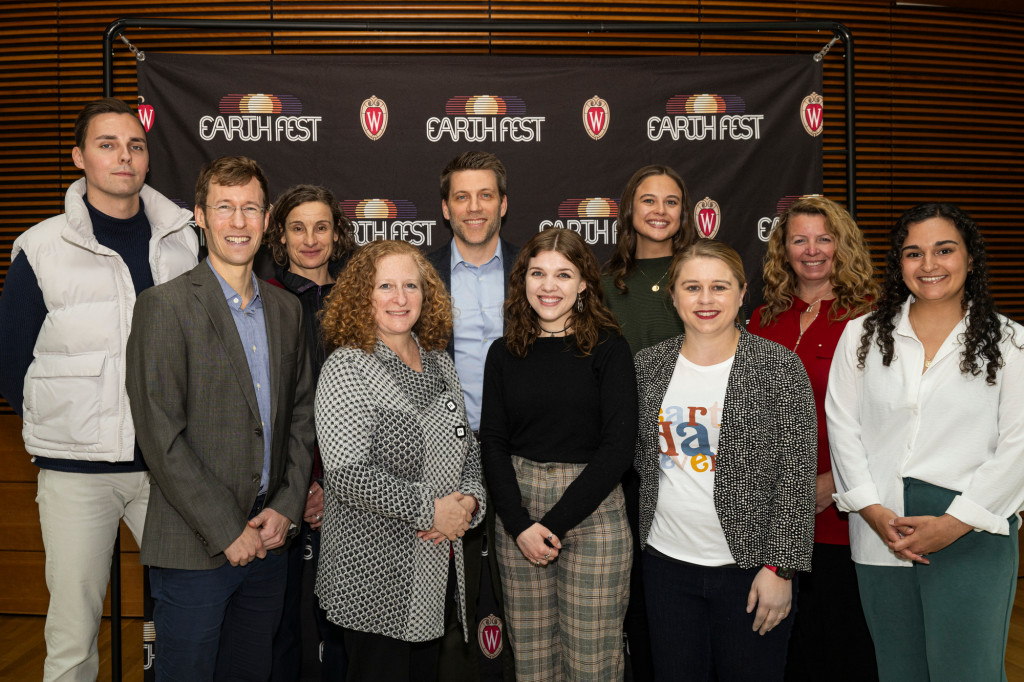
(75, 404)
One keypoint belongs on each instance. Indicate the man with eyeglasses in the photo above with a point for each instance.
(64, 322)
(222, 396)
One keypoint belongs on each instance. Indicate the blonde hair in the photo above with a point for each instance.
(852, 276)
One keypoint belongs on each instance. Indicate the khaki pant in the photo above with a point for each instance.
(80, 515)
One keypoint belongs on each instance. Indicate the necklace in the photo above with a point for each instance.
(803, 329)
(555, 332)
(656, 286)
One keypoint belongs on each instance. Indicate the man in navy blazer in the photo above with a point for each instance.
(222, 397)
(475, 266)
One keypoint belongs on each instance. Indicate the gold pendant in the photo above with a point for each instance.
(655, 287)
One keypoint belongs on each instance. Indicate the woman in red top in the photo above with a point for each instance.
(817, 277)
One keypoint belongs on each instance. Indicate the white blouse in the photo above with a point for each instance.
(944, 427)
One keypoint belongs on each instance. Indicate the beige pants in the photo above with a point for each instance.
(79, 515)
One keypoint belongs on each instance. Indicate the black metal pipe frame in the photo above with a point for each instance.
(485, 26)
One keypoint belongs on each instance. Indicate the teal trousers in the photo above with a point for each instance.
(946, 621)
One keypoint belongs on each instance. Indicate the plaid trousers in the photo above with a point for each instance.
(565, 619)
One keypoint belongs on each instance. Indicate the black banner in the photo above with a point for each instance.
(744, 132)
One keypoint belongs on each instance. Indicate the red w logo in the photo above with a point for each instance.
(374, 117)
(813, 115)
(595, 119)
(707, 219)
(146, 115)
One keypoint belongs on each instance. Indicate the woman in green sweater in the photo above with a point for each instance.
(654, 224)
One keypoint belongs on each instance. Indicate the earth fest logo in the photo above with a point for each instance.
(705, 117)
(485, 118)
(593, 218)
(767, 224)
(260, 118)
(374, 219)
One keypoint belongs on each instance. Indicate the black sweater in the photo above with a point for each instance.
(556, 406)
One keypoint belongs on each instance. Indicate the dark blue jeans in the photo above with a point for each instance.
(700, 629)
(219, 623)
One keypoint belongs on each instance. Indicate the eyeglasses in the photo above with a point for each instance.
(226, 211)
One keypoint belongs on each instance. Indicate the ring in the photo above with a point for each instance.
(547, 556)
(549, 537)
(310, 491)
(537, 561)
(317, 516)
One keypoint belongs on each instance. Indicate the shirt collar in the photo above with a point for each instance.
(457, 256)
(230, 293)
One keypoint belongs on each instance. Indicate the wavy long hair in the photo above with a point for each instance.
(623, 259)
(294, 197)
(852, 276)
(348, 319)
(984, 329)
(521, 324)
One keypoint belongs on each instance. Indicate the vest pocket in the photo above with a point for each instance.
(64, 396)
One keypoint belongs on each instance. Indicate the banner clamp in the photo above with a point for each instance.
(818, 56)
(139, 54)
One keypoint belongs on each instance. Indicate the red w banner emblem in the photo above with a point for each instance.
(489, 636)
(373, 115)
(812, 114)
(707, 214)
(146, 115)
(595, 117)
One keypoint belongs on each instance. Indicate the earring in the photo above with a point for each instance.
(579, 303)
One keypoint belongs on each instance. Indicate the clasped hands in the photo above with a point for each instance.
(452, 515)
(539, 545)
(914, 537)
(266, 531)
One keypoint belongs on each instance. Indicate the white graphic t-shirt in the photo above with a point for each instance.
(686, 526)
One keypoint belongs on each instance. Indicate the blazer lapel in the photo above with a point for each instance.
(272, 316)
(211, 298)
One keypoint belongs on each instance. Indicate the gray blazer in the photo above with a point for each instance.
(198, 423)
(767, 451)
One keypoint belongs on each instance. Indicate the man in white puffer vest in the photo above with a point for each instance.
(65, 315)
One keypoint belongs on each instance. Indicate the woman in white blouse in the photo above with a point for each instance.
(925, 413)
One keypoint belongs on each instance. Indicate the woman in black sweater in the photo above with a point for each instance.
(558, 426)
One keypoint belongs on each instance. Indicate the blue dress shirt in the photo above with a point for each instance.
(252, 331)
(478, 293)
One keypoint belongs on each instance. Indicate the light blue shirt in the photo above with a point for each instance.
(478, 293)
(252, 331)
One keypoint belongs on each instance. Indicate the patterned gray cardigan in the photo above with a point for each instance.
(392, 441)
(767, 451)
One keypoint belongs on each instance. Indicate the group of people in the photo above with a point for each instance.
(642, 484)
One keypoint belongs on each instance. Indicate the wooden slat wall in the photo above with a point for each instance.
(940, 116)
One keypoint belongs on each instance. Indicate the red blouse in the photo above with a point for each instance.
(817, 346)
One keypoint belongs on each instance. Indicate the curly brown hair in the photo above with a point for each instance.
(521, 324)
(294, 197)
(623, 259)
(984, 328)
(852, 276)
(348, 319)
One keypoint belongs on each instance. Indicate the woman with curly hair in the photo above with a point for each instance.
(653, 225)
(310, 240)
(925, 413)
(817, 277)
(558, 426)
(402, 479)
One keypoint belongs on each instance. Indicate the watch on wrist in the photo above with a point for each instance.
(784, 573)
